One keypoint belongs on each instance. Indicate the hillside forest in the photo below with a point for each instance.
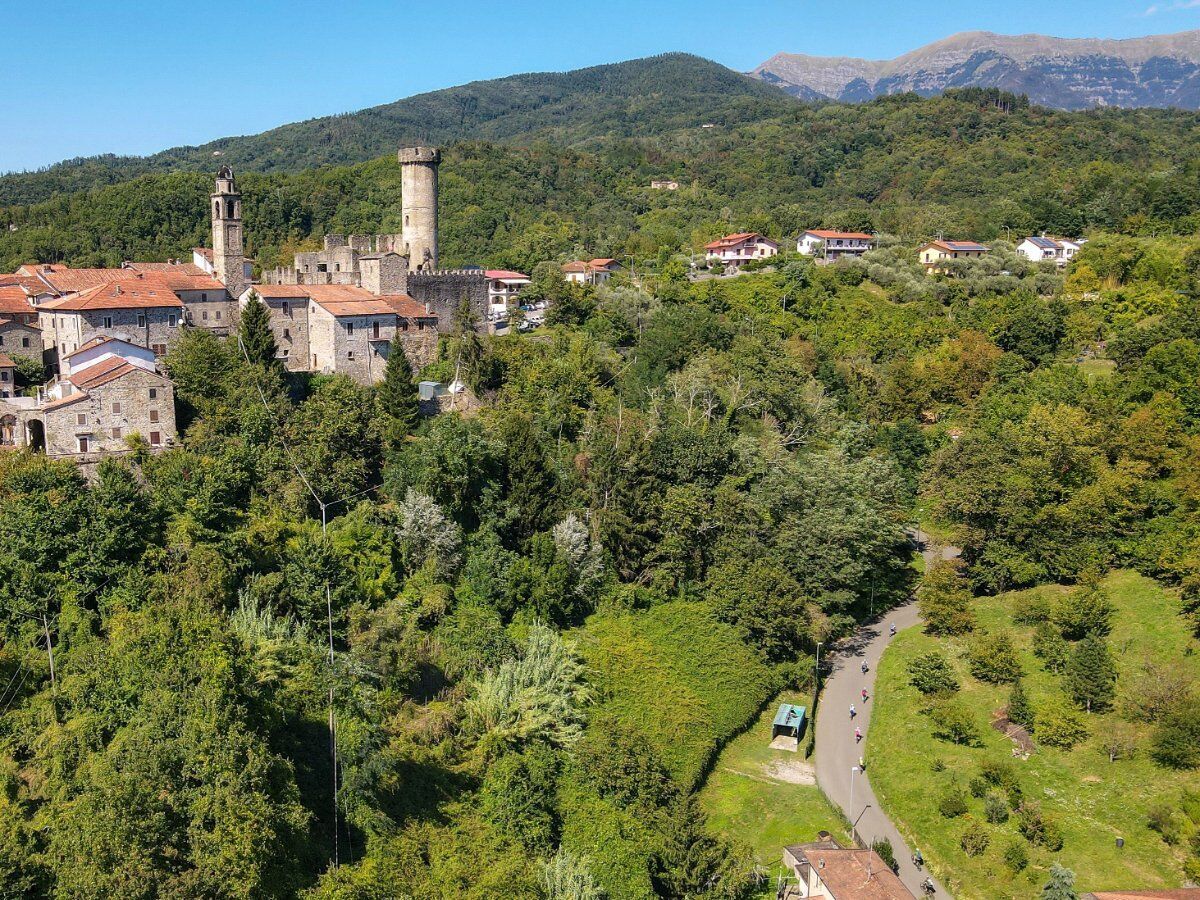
(326, 647)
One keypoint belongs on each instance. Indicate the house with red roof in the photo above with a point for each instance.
(935, 255)
(345, 329)
(736, 250)
(833, 245)
(503, 287)
(592, 271)
(143, 310)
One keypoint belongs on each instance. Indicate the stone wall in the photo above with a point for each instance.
(125, 404)
(355, 346)
(419, 344)
(443, 291)
(145, 327)
(289, 325)
(19, 339)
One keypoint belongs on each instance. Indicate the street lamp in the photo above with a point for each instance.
(854, 770)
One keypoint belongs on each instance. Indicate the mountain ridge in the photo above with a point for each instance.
(634, 97)
(1063, 73)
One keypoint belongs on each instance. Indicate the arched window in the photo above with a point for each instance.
(217, 209)
(229, 209)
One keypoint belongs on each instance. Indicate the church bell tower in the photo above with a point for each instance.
(229, 262)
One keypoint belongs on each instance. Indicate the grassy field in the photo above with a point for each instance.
(752, 796)
(1094, 801)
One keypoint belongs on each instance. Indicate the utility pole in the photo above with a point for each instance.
(50, 653)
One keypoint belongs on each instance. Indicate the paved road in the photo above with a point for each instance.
(838, 753)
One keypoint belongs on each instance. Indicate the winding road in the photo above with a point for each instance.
(837, 752)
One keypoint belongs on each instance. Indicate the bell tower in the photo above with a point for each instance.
(229, 262)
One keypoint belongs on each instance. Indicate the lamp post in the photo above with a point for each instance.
(817, 671)
(853, 771)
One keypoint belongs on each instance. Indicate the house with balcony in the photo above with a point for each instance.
(1043, 248)
(503, 287)
(834, 245)
(735, 250)
(936, 255)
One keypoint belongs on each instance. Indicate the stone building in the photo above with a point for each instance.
(142, 310)
(8, 375)
(112, 393)
(229, 256)
(346, 329)
(19, 339)
(393, 264)
(15, 305)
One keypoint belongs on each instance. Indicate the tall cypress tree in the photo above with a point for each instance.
(254, 329)
(1092, 674)
(396, 397)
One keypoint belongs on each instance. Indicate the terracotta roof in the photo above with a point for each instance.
(4, 322)
(6, 361)
(14, 302)
(282, 291)
(844, 235)
(601, 263)
(67, 281)
(180, 280)
(73, 398)
(34, 268)
(404, 305)
(505, 275)
(959, 246)
(145, 293)
(346, 300)
(575, 266)
(206, 252)
(102, 373)
(856, 875)
(732, 240)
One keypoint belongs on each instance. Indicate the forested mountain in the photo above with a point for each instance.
(639, 97)
(1157, 71)
(972, 164)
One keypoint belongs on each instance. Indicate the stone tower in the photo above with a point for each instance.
(419, 183)
(229, 261)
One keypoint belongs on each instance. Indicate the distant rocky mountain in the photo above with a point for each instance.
(1156, 71)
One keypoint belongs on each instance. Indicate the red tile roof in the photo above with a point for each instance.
(6, 361)
(1176, 894)
(575, 266)
(282, 291)
(844, 235)
(14, 302)
(404, 305)
(856, 875)
(346, 300)
(601, 263)
(505, 274)
(67, 281)
(206, 252)
(102, 373)
(733, 240)
(72, 398)
(147, 292)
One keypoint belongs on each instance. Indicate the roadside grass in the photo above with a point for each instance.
(1093, 800)
(745, 804)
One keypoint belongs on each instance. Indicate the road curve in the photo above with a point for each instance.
(837, 751)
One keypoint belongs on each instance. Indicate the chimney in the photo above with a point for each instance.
(117, 291)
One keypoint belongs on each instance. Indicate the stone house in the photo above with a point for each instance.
(142, 311)
(345, 329)
(15, 304)
(8, 375)
(100, 406)
(20, 339)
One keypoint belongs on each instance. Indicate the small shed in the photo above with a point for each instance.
(789, 721)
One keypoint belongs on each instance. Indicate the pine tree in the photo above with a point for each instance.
(254, 331)
(1019, 710)
(1091, 674)
(397, 397)
(1061, 885)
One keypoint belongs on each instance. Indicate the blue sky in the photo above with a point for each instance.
(136, 76)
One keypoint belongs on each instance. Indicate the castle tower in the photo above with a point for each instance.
(419, 183)
(229, 262)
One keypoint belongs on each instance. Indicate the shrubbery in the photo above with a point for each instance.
(992, 657)
(931, 673)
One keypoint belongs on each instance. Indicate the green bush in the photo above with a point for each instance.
(1091, 674)
(1050, 648)
(995, 810)
(1038, 829)
(931, 673)
(1086, 610)
(953, 721)
(992, 658)
(1176, 741)
(977, 787)
(1167, 822)
(945, 599)
(953, 805)
(1019, 710)
(1016, 857)
(883, 847)
(975, 839)
(1030, 609)
(1059, 725)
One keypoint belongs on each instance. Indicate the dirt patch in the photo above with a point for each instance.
(1014, 732)
(791, 771)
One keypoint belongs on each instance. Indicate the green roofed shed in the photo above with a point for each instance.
(789, 721)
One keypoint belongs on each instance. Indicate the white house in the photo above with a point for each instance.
(738, 249)
(594, 271)
(503, 287)
(833, 245)
(1042, 248)
(99, 349)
